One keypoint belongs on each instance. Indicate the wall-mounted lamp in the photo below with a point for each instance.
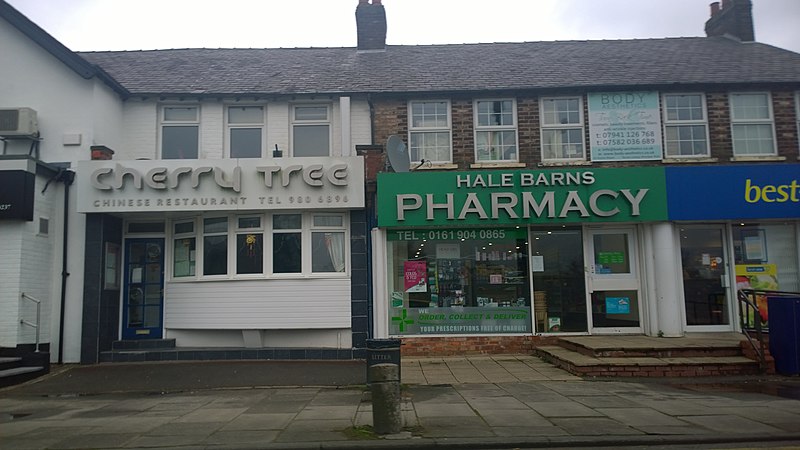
(277, 153)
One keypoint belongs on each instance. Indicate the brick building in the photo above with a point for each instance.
(586, 187)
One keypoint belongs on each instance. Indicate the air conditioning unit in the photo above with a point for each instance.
(18, 122)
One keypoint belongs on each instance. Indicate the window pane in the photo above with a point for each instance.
(430, 147)
(327, 252)
(562, 143)
(215, 255)
(753, 139)
(249, 253)
(245, 114)
(311, 140)
(561, 111)
(249, 222)
(183, 257)
(495, 113)
(146, 227)
(287, 221)
(286, 253)
(684, 107)
(245, 142)
(328, 221)
(687, 140)
(179, 142)
(311, 113)
(496, 145)
(180, 113)
(184, 227)
(215, 225)
(429, 114)
(750, 106)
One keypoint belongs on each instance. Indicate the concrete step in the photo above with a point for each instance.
(646, 366)
(143, 344)
(17, 375)
(641, 346)
(9, 362)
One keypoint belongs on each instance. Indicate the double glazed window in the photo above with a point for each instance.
(311, 130)
(257, 244)
(752, 125)
(562, 129)
(495, 130)
(429, 131)
(180, 132)
(245, 131)
(685, 125)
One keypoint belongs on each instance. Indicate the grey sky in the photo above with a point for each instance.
(84, 25)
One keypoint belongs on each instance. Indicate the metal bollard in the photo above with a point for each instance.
(385, 387)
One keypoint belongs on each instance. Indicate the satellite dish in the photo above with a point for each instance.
(397, 153)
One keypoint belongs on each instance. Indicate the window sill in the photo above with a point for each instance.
(689, 160)
(435, 166)
(564, 163)
(757, 158)
(495, 165)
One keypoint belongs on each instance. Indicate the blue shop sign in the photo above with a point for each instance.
(769, 191)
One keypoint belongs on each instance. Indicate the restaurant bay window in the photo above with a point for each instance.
(259, 245)
(458, 281)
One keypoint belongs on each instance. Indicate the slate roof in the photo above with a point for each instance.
(451, 68)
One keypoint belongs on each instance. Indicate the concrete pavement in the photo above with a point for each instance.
(475, 402)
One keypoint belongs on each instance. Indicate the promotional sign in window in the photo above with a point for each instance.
(415, 273)
(460, 320)
(624, 126)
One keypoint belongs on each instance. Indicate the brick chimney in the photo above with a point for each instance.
(371, 23)
(734, 18)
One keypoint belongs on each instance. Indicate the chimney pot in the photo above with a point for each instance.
(362, 2)
(714, 9)
(376, 2)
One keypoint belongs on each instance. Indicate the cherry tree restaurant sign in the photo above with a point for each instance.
(220, 185)
(624, 126)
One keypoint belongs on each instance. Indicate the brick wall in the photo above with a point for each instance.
(472, 345)
(783, 108)
(391, 117)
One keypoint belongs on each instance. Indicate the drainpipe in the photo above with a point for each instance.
(67, 177)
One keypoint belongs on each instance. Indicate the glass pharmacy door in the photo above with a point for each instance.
(143, 295)
(613, 280)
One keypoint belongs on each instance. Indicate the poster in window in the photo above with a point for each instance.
(415, 276)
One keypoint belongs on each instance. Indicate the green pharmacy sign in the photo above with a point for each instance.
(515, 197)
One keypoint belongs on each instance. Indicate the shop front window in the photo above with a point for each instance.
(459, 281)
(766, 259)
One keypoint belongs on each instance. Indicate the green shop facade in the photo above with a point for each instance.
(646, 250)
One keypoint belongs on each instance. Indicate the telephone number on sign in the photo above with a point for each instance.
(464, 234)
(614, 142)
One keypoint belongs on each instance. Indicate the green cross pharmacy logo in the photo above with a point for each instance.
(403, 320)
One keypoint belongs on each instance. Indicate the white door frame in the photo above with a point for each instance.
(610, 282)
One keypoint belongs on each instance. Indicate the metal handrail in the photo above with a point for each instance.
(38, 317)
(747, 303)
